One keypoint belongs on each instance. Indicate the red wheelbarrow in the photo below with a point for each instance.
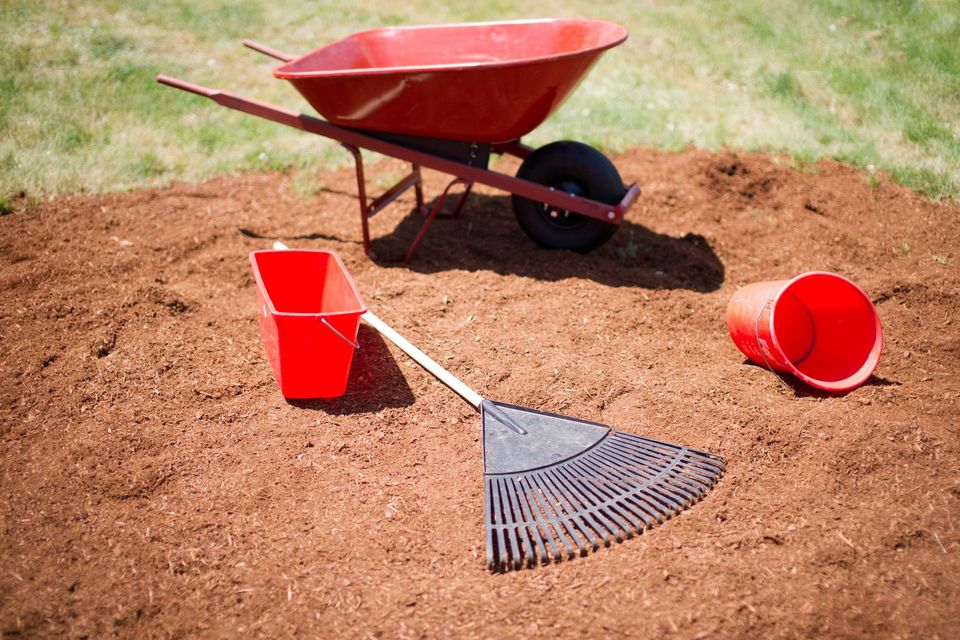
(446, 98)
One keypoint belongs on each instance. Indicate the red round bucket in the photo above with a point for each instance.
(819, 327)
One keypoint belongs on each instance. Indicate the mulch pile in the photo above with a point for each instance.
(156, 484)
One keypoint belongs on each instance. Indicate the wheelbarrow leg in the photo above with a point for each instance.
(369, 208)
(436, 208)
(365, 208)
(463, 200)
(460, 202)
(418, 188)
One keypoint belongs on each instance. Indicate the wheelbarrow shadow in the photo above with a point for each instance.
(486, 236)
(376, 381)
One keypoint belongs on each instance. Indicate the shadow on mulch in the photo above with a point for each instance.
(376, 381)
(802, 390)
(486, 237)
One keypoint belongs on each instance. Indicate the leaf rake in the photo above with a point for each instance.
(557, 487)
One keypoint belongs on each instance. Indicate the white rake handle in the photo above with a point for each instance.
(423, 360)
(442, 374)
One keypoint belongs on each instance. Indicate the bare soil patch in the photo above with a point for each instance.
(156, 484)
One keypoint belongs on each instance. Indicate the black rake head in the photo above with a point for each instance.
(576, 485)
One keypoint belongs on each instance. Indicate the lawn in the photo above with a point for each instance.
(873, 84)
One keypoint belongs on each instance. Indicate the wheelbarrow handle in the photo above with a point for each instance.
(186, 86)
(268, 51)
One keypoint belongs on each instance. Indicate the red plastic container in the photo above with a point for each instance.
(479, 82)
(819, 327)
(309, 310)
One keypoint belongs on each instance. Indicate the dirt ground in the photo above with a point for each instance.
(154, 483)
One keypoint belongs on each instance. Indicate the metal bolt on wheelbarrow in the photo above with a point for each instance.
(446, 97)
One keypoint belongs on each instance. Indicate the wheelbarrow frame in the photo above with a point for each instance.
(464, 174)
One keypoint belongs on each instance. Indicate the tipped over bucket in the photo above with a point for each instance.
(819, 327)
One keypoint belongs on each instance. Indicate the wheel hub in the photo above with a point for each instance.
(562, 217)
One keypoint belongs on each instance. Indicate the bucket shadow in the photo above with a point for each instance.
(802, 390)
(486, 237)
(376, 381)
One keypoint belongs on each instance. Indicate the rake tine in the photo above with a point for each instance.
(661, 475)
(618, 469)
(645, 451)
(613, 491)
(579, 529)
(650, 449)
(692, 481)
(669, 490)
(650, 483)
(514, 550)
(565, 515)
(542, 516)
(700, 458)
(646, 519)
(663, 444)
(495, 527)
(667, 445)
(492, 548)
(662, 506)
(575, 518)
(595, 519)
(654, 448)
(701, 471)
(516, 538)
(676, 499)
(708, 475)
(647, 507)
(561, 529)
(566, 529)
(533, 539)
(641, 489)
(598, 521)
(507, 545)
(539, 534)
(615, 507)
(708, 465)
(601, 505)
(691, 478)
(643, 459)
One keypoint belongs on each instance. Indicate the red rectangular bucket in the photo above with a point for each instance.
(309, 310)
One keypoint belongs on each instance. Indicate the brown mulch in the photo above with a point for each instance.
(154, 483)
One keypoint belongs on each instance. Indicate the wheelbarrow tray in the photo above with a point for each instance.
(481, 82)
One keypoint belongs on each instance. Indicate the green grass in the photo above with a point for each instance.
(869, 83)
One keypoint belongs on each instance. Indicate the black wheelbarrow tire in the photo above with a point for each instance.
(575, 168)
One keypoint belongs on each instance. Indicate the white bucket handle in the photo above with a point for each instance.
(762, 346)
(339, 335)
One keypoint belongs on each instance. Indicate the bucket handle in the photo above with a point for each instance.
(762, 346)
(339, 335)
